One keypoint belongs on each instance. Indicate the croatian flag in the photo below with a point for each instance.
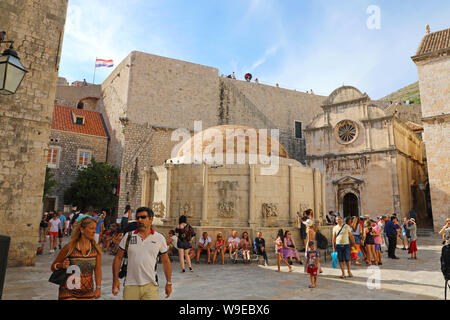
(103, 63)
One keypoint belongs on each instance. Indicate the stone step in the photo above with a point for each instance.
(425, 232)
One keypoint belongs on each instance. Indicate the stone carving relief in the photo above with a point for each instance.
(158, 209)
(187, 209)
(270, 210)
(347, 165)
(303, 207)
(226, 207)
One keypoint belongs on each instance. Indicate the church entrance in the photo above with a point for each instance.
(350, 205)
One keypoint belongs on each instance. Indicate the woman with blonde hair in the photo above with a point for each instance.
(83, 252)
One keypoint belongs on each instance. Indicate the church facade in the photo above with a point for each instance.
(373, 163)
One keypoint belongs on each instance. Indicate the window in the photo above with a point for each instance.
(346, 131)
(53, 157)
(298, 130)
(84, 158)
(77, 119)
(80, 105)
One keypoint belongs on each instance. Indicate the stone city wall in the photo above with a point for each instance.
(37, 27)
(70, 96)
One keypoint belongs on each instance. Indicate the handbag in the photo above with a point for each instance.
(124, 267)
(58, 277)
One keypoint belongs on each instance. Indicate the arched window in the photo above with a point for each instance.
(80, 105)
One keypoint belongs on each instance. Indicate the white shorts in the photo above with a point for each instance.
(96, 237)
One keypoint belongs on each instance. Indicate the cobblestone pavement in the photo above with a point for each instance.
(400, 279)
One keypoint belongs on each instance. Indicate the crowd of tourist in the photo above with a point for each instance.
(354, 240)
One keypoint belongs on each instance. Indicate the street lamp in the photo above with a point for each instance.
(12, 70)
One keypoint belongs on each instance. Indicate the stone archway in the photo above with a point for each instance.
(350, 204)
(348, 196)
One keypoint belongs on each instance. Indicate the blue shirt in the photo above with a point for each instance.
(62, 218)
(99, 225)
(391, 229)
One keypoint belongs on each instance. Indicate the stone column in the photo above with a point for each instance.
(317, 194)
(324, 202)
(292, 212)
(204, 220)
(251, 198)
(169, 168)
(145, 198)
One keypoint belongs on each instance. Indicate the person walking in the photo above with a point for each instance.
(342, 234)
(412, 228)
(144, 247)
(61, 231)
(376, 231)
(312, 263)
(43, 227)
(85, 254)
(302, 227)
(404, 234)
(54, 231)
(100, 227)
(126, 217)
(259, 247)
(390, 228)
(184, 244)
(279, 250)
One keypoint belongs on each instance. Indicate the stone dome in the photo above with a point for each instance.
(210, 145)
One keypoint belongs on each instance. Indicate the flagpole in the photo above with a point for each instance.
(95, 67)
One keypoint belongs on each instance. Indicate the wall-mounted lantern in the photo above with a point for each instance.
(12, 70)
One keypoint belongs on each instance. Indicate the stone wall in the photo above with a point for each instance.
(434, 79)
(37, 27)
(70, 96)
(67, 170)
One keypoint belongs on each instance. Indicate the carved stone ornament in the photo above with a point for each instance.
(270, 210)
(158, 209)
(304, 207)
(226, 209)
(187, 209)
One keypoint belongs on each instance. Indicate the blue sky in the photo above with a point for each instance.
(314, 44)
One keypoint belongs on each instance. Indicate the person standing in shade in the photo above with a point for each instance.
(445, 232)
(259, 247)
(144, 247)
(63, 219)
(390, 228)
(412, 228)
(99, 229)
(342, 234)
(184, 244)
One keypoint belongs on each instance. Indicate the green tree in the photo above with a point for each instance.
(49, 182)
(94, 187)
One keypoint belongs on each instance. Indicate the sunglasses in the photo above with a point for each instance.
(141, 217)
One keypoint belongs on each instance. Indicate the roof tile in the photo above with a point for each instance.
(63, 120)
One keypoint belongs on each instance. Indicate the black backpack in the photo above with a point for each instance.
(445, 262)
(322, 241)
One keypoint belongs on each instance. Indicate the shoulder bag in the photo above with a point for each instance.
(124, 267)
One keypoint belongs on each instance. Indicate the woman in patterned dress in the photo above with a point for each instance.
(85, 254)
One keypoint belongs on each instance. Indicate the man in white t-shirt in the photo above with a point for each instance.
(204, 243)
(144, 247)
(233, 245)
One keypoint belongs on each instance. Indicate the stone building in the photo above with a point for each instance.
(37, 27)
(77, 136)
(147, 97)
(373, 162)
(217, 192)
(433, 65)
